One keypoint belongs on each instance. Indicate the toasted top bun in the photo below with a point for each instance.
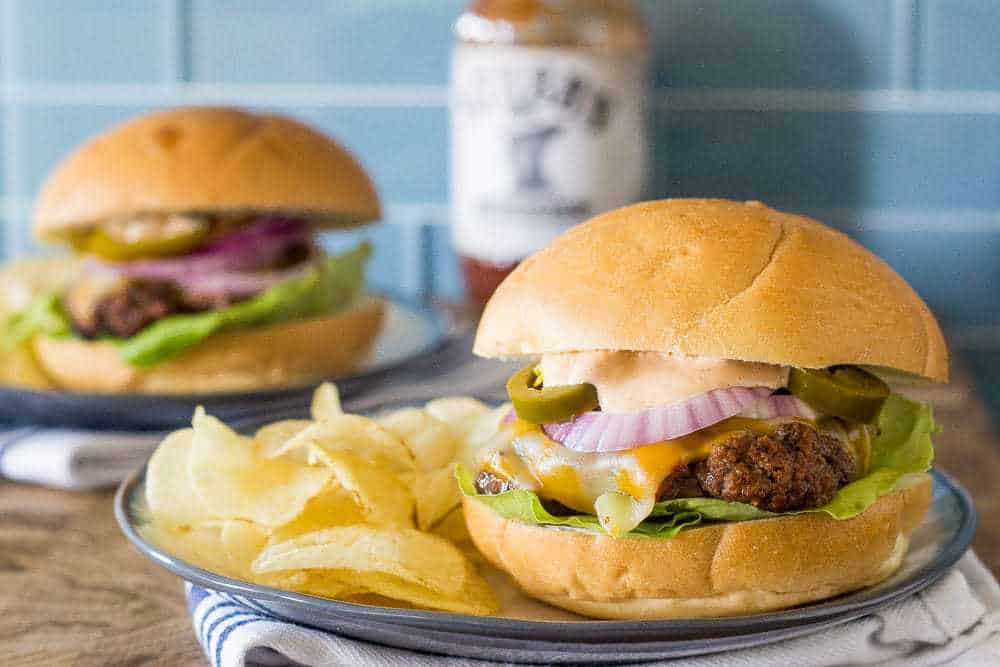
(717, 278)
(719, 569)
(207, 160)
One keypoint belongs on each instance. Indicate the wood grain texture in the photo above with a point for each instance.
(73, 591)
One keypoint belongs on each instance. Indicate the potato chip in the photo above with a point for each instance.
(224, 546)
(354, 434)
(432, 442)
(384, 499)
(413, 556)
(460, 413)
(486, 432)
(436, 493)
(475, 596)
(289, 580)
(452, 528)
(169, 492)
(271, 439)
(242, 541)
(232, 482)
(326, 402)
(488, 424)
(333, 506)
(328, 507)
(199, 545)
(312, 582)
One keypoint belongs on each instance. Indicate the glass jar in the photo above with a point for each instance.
(547, 125)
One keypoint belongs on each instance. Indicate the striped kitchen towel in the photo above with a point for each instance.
(72, 459)
(954, 622)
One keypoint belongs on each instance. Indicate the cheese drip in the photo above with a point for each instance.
(618, 487)
(636, 380)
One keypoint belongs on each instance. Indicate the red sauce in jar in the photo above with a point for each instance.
(482, 278)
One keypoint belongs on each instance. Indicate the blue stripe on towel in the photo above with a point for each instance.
(195, 597)
(233, 617)
(225, 634)
(215, 607)
(216, 615)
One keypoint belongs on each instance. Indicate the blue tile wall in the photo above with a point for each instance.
(446, 277)
(829, 120)
(405, 150)
(956, 273)
(831, 160)
(385, 272)
(960, 44)
(47, 133)
(348, 41)
(87, 40)
(771, 43)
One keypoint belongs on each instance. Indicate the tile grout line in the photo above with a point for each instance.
(12, 236)
(321, 95)
(944, 101)
(173, 41)
(411, 236)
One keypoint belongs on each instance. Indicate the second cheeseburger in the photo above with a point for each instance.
(704, 428)
(199, 270)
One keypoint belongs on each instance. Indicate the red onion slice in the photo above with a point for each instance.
(611, 432)
(238, 285)
(246, 249)
(779, 406)
(231, 267)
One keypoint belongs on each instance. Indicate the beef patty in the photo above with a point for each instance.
(793, 468)
(133, 304)
(130, 309)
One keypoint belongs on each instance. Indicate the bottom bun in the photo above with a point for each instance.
(286, 354)
(725, 569)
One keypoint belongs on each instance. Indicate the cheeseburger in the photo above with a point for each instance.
(199, 268)
(703, 426)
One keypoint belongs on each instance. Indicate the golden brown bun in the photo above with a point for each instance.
(717, 278)
(205, 159)
(724, 569)
(287, 354)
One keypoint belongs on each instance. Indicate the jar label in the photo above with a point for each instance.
(541, 139)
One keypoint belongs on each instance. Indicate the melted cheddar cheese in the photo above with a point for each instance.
(579, 480)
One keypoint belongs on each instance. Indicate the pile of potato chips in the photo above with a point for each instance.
(20, 282)
(341, 506)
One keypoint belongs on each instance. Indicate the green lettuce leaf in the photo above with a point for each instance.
(526, 507)
(43, 315)
(710, 509)
(325, 288)
(902, 447)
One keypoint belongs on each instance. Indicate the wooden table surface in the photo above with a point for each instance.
(73, 591)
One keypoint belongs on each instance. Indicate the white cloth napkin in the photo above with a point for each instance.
(72, 459)
(956, 622)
